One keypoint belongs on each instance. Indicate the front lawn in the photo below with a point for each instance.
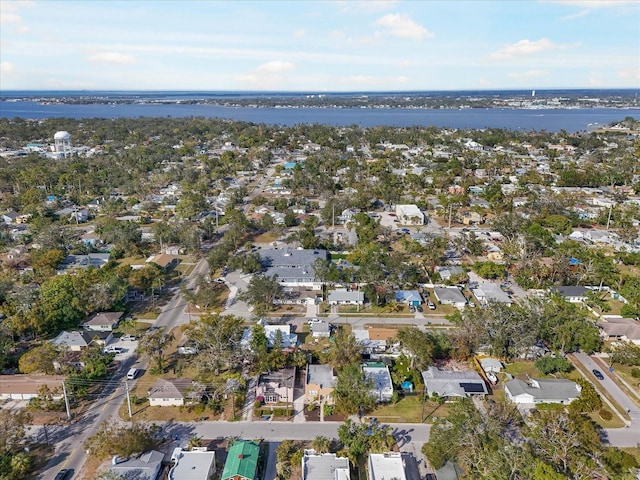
(409, 409)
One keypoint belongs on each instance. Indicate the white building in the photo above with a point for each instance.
(194, 465)
(380, 376)
(409, 215)
(386, 466)
(324, 466)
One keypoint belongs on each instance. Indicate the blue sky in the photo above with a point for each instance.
(327, 45)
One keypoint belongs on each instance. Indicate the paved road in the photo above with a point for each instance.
(619, 437)
(173, 314)
(69, 439)
(279, 431)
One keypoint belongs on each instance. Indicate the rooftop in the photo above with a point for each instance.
(324, 466)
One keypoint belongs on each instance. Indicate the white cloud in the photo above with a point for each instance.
(403, 26)
(7, 68)
(112, 57)
(525, 47)
(9, 17)
(632, 73)
(275, 67)
(267, 75)
(299, 33)
(528, 75)
(402, 79)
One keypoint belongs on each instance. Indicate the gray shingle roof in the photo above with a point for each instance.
(453, 383)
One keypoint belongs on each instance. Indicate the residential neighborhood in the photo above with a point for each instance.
(321, 291)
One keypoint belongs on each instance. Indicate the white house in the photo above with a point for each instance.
(450, 296)
(542, 391)
(193, 465)
(293, 267)
(409, 215)
(379, 374)
(386, 466)
(145, 467)
(103, 321)
(342, 296)
(324, 466)
(169, 392)
(451, 384)
(620, 329)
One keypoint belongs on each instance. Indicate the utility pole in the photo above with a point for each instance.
(609, 219)
(126, 387)
(66, 400)
(450, 213)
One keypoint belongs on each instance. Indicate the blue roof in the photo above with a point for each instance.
(408, 296)
(574, 261)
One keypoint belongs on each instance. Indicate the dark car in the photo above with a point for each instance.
(63, 474)
(420, 309)
(598, 374)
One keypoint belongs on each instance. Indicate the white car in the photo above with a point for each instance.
(112, 349)
(314, 320)
(128, 338)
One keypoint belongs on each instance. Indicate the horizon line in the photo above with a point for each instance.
(324, 92)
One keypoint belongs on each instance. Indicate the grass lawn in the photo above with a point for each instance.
(409, 409)
(624, 372)
(615, 421)
(520, 369)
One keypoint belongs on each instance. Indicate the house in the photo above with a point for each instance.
(451, 384)
(450, 296)
(164, 261)
(103, 321)
(408, 297)
(192, 465)
(324, 466)
(573, 294)
(321, 330)
(376, 340)
(77, 341)
(95, 260)
(620, 329)
(272, 332)
(409, 215)
(470, 218)
(490, 364)
(319, 383)
(386, 466)
(26, 387)
(170, 392)
(557, 390)
(242, 461)
(145, 467)
(379, 375)
(276, 387)
(342, 296)
(487, 292)
(293, 267)
(450, 271)
(9, 217)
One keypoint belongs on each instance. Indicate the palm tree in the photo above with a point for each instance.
(321, 444)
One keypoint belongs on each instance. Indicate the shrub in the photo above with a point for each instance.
(635, 372)
(606, 415)
(549, 365)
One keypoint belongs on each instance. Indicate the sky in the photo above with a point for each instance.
(331, 45)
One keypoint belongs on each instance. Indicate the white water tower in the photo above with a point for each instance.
(62, 143)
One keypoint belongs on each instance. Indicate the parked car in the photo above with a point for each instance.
(412, 309)
(598, 374)
(128, 338)
(314, 320)
(431, 305)
(419, 308)
(112, 349)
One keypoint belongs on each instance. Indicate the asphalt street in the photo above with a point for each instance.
(619, 437)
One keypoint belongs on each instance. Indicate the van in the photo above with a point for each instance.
(132, 374)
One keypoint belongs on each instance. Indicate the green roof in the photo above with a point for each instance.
(242, 460)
